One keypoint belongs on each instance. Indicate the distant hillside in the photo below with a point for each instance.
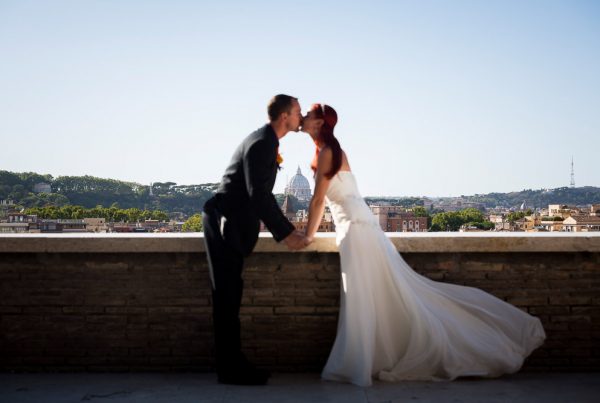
(90, 191)
(395, 201)
(581, 196)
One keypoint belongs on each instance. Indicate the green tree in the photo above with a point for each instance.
(159, 215)
(447, 221)
(471, 215)
(110, 214)
(517, 215)
(44, 199)
(193, 224)
(452, 220)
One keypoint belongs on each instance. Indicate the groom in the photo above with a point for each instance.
(231, 222)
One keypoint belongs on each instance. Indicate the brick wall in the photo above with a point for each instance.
(151, 311)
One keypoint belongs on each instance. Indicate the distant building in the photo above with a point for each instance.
(299, 187)
(496, 218)
(469, 228)
(72, 225)
(302, 215)
(384, 212)
(131, 227)
(42, 187)
(175, 226)
(121, 227)
(324, 225)
(581, 223)
(457, 205)
(95, 224)
(62, 225)
(520, 224)
(406, 222)
(427, 203)
(534, 223)
(562, 210)
(550, 225)
(503, 226)
(17, 222)
(288, 208)
(299, 218)
(500, 222)
(151, 225)
(397, 219)
(15, 217)
(14, 227)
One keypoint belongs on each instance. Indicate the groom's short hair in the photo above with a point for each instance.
(279, 104)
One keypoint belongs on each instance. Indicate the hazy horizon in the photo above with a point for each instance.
(279, 192)
(434, 98)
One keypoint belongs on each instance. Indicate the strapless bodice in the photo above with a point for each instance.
(345, 202)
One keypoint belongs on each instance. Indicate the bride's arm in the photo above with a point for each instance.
(317, 203)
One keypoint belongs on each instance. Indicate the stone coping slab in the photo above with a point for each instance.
(424, 242)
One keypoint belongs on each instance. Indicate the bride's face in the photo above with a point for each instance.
(311, 124)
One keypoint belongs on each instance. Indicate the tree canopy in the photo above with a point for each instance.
(112, 213)
(193, 224)
(453, 220)
(89, 192)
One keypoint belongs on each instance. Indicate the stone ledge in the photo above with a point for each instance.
(439, 242)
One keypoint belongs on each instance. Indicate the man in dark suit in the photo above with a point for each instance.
(231, 222)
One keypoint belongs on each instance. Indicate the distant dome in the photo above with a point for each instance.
(299, 187)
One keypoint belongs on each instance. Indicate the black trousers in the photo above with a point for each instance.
(225, 266)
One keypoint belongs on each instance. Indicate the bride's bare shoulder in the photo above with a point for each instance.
(325, 158)
(326, 153)
(345, 163)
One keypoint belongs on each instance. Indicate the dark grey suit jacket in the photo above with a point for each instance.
(245, 194)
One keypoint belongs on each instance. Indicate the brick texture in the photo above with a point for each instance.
(152, 312)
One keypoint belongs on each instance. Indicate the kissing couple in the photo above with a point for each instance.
(394, 324)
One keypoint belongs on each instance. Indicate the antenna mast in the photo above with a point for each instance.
(572, 174)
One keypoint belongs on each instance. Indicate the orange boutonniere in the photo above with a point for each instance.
(279, 159)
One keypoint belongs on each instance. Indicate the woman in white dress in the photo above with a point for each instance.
(395, 324)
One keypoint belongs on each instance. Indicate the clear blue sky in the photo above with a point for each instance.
(434, 97)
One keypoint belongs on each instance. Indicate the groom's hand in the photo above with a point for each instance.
(295, 241)
(307, 240)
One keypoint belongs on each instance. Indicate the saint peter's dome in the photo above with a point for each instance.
(299, 187)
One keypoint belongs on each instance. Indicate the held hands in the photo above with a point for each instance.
(308, 240)
(296, 241)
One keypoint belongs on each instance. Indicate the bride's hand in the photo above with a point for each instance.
(308, 239)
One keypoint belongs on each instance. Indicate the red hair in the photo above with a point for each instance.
(327, 138)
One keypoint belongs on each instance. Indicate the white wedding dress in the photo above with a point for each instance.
(395, 324)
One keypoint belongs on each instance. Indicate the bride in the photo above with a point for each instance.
(395, 324)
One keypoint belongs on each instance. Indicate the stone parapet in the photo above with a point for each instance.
(416, 242)
(125, 302)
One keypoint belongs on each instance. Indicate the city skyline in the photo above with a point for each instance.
(434, 99)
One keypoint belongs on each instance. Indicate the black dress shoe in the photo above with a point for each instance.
(243, 377)
(266, 372)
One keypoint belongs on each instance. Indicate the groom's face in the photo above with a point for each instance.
(294, 118)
